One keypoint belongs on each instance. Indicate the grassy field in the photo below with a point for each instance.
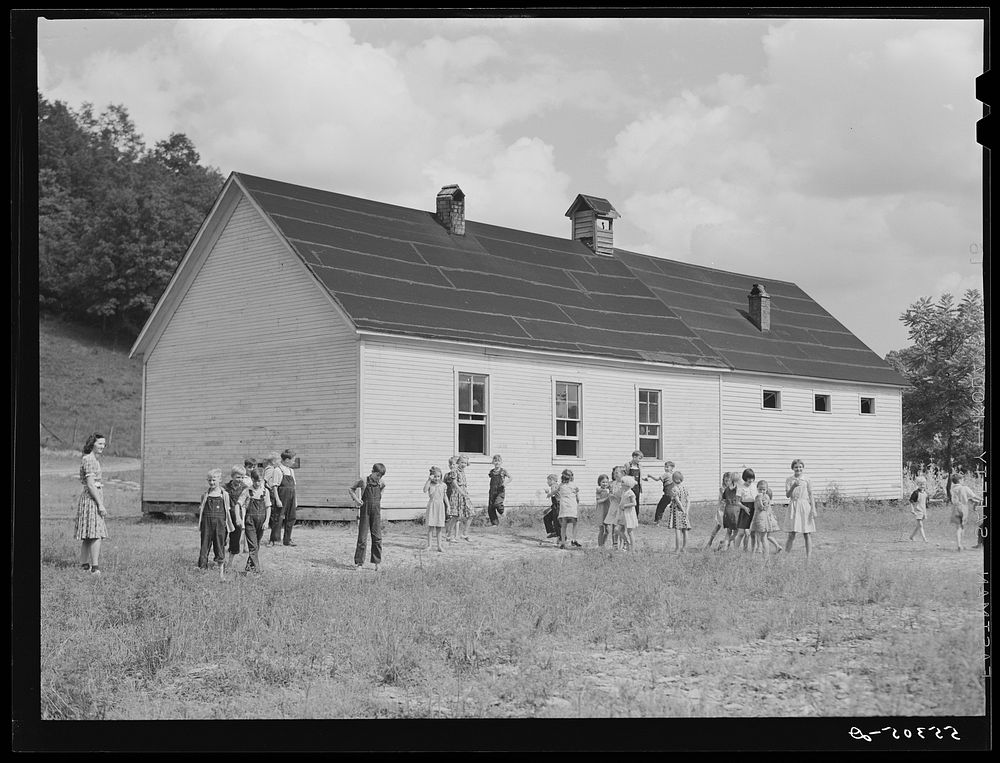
(87, 384)
(508, 626)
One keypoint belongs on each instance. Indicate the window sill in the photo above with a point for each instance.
(568, 461)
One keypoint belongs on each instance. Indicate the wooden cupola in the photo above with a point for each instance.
(591, 221)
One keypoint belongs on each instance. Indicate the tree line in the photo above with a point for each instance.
(114, 217)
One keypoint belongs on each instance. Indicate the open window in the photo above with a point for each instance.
(569, 419)
(473, 415)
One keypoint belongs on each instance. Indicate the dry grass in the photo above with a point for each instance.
(589, 634)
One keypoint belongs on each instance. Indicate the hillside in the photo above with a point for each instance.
(86, 383)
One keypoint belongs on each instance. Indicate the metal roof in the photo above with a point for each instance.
(397, 270)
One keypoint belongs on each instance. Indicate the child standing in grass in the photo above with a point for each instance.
(569, 509)
(437, 506)
(603, 503)
(680, 520)
(801, 516)
(367, 495)
(451, 507)
(257, 516)
(633, 469)
(463, 497)
(628, 519)
(214, 522)
(614, 507)
(918, 507)
(499, 477)
(668, 485)
(237, 490)
(747, 493)
(719, 513)
(764, 522)
(963, 499)
(731, 508)
(551, 517)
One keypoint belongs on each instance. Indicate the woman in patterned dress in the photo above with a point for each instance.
(90, 511)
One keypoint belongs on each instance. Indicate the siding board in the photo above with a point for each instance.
(254, 356)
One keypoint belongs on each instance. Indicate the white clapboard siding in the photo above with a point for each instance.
(254, 359)
(409, 419)
(859, 454)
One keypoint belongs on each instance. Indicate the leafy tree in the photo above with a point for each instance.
(114, 218)
(943, 408)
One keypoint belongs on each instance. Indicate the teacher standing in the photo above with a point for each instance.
(90, 511)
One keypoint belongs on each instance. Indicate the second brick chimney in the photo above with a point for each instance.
(451, 209)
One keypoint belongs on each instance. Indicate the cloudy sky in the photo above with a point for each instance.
(838, 154)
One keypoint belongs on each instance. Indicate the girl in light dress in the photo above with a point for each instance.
(603, 503)
(680, 520)
(611, 523)
(569, 509)
(628, 517)
(918, 507)
(437, 506)
(801, 517)
(764, 522)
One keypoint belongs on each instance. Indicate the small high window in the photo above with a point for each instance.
(868, 406)
(771, 398)
(821, 403)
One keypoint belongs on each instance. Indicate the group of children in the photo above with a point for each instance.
(449, 504)
(233, 516)
(963, 499)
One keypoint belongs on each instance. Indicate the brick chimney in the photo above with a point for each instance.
(591, 221)
(760, 308)
(451, 209)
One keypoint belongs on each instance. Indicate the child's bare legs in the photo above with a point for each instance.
(958, 537)
(466, 524)
(919, 528)
(571, 530)
(805, 537)
(789, 542)
(711, 537)
(773, 542)
(737, 537)
(677, 539)
(562, 532)
(602, 535)
(437, 538)
(683, 539)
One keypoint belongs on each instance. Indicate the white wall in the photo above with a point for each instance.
(861, 454)
(255, 358)
(409, 419)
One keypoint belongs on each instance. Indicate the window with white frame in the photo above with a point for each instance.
(649, 422)
(472, 413)
(569, 419)
(868, 406)
(821, 403)
(770, 398)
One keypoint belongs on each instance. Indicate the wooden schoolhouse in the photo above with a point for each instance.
(355, 332)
